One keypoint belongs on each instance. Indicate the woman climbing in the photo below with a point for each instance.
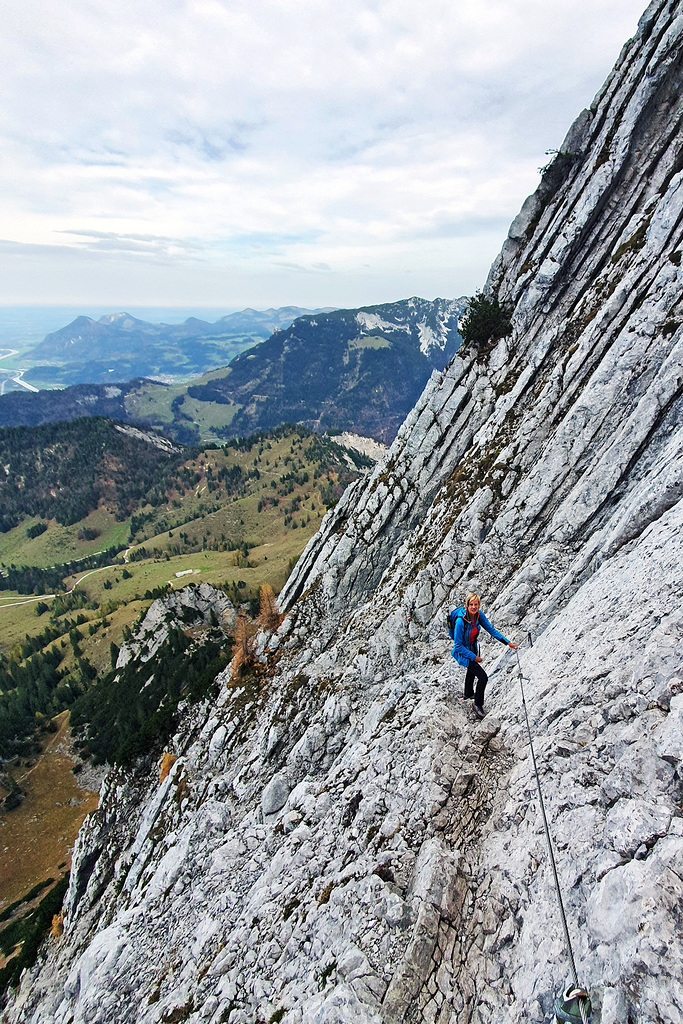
(465, 624)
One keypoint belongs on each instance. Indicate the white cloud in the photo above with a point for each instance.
(252, 135)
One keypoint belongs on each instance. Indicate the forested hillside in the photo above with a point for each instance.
(30, 408)
(62, 471)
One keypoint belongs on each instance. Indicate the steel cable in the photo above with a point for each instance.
(570, 951)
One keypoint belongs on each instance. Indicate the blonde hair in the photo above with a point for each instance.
(471, 597)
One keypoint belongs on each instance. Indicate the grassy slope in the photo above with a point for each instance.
(60, 543)
(37, 837)
(151, 403)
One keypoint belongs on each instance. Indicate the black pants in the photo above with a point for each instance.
(475, 669)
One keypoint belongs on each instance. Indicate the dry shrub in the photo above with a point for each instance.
(57, 929)
(269, 617)
(243, 647)
(167, 762)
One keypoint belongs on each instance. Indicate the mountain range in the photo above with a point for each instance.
(119, 346)
(359, 370)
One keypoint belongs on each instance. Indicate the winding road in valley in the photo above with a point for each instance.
(48, 597)
(13, 376)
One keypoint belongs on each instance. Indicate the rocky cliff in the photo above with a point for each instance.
(337, 840)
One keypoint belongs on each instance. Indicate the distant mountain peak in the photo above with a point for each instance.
(112, 318)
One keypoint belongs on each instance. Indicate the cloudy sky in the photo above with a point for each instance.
(228, 153)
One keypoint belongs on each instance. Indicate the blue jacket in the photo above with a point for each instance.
(465, 645)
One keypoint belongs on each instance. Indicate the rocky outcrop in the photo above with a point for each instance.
(338, 840)
(195, 605)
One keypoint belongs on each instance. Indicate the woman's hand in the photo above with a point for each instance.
(513, 646)
(478, 660)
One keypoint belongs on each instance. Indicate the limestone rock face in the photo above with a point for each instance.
(340, 841)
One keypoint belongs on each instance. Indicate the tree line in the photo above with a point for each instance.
(32, 692)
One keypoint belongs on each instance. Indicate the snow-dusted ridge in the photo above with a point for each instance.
(345, 844)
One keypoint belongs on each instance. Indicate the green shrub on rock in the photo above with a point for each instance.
(485, 320)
